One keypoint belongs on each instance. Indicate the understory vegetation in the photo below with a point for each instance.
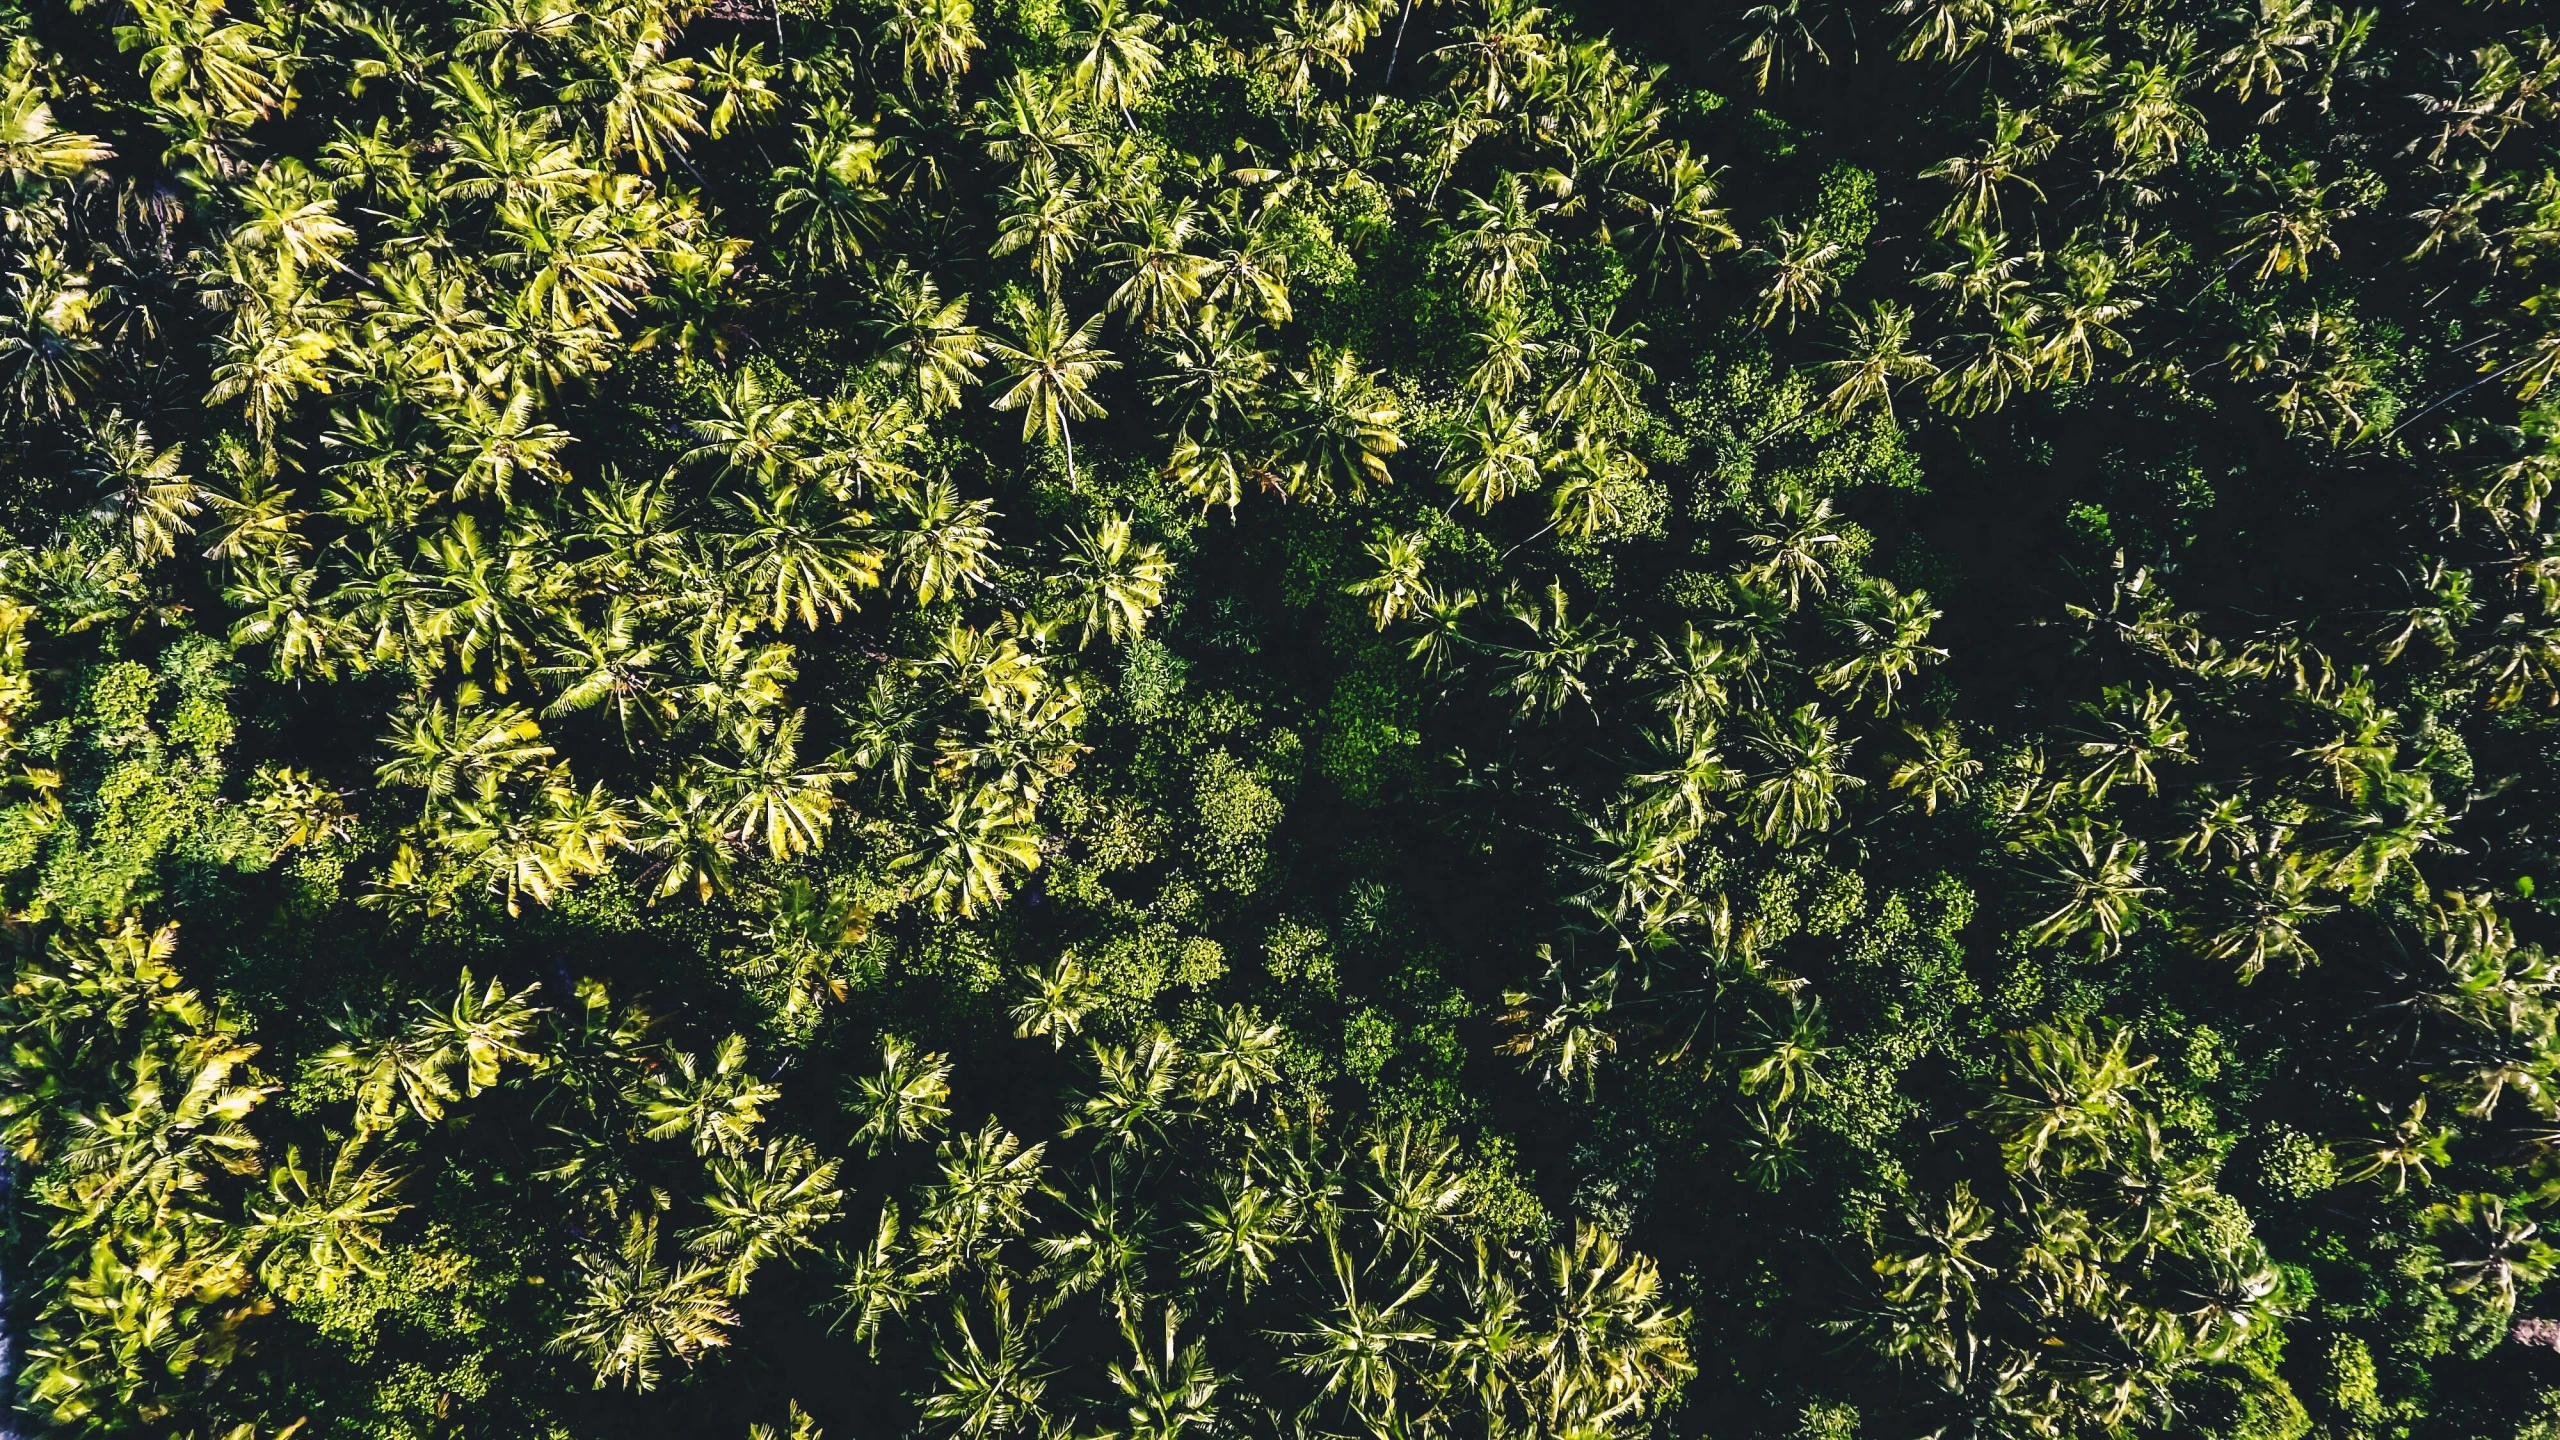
(1348, 718)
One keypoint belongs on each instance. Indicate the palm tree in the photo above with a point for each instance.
(2097, 874)
(741, 79)
(1491, 1344)
(292, 217)
(767, 1204)
(1600, 379)
(935, 36)
(632, 1312)
(1501, 238)
(1941, 769)
(1773, 33)
(908, 1100)
(1788, 1058)
(1412, 1180)
(1592, 476)
(611, 664)
(501, 153)
(197, 66)
(1794, 551)
(1509, 352)
(425, 309)
(966, 857)
(1341, 426)
(1216, 472)
(1060, 999)
(876, 1286)
(930, 338)
(1889, 631)
(647, 101)
(2404, 1144)
(32, 146)
(1988, 278)
(1357, 1349)
(1036, 119)
(1116, 55)
(581, 266)
(794, 554)
(1396, 588)
(2321, 381)
(270, 354)
(1045, 215)
(279, 608)
(1683, 797)
(1308, 40)
(1117, 580)
(1801, 275)
(1241, 1233)
(2145, 118)
(719, 1107)
(1169, 1390)
(988, 1179)
(1251, 272)
(1053, 365)
(990, 1388)
(802, 1427)
(317, 1239)
(1237, 1060)
(1500, 454)
(447, 750)
(1879, 353)
(2096, 296)
(1799, 791)
(944, 554)
(2006, 362)
(2495, 1253)
(1616, 1349)
(1138, 1094)
(1555, 666)
(830, 201)
(2135, 735)
(2516, 657)
(1163, 279)
(2019, 140)
(863, 449)
(1698, 669)
(1105, 1251)
(1213, 368)
(141, 487)
(2280, 36)
(768, 793)
(2273, 907)
(1500, 56)
(1682, 228)
(2454, 221)
(493, 446)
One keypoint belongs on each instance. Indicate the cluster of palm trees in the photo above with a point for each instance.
(1345, 1263)
(399, 325)
(730, 470)
(2105, 1267)
(1304, 1277)
(133, 1094)
(2129, 98)
(400, 497)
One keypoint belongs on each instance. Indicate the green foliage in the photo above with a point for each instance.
(1368, 743)
(1278, 717)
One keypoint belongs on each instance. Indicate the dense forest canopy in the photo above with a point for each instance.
(1355, 718)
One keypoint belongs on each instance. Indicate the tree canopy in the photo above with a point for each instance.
(1081, 719)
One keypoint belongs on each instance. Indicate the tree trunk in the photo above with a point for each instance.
(1397, 53)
